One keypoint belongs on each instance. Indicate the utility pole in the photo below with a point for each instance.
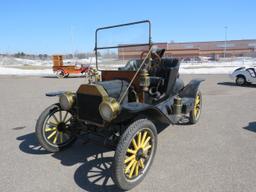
(225, 46)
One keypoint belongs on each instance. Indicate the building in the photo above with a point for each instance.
(212, 49)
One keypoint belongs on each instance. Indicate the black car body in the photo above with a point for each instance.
(127, 105)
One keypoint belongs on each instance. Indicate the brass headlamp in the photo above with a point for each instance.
(67, 100)
(109, 109)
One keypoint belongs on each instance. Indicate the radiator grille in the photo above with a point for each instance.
(88, 107)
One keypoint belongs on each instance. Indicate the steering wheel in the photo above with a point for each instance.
(142, 54)
(155, 57)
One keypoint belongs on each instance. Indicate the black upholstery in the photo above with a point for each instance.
(168, 70)
(179, 84)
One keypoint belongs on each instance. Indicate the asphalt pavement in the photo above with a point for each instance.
(218, 154)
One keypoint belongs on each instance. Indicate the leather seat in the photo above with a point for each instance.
(168, 71)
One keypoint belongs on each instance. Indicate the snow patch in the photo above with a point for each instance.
(25, 72)
(16, 66)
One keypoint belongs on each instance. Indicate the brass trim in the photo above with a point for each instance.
(92, 89)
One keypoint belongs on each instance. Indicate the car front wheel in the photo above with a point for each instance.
(54, 129)
(134, 154)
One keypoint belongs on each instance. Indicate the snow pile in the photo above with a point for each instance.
(25, 72)
(34, 67)
(215, 67)
(16, 66)
(11, 61)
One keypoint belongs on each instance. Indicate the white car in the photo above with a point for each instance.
(244, 75)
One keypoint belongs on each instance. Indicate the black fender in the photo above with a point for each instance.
(191, 88)
(54, 94)
(131, 110)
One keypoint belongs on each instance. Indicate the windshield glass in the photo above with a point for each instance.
(120, 47)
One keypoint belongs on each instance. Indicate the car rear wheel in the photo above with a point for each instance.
(134, 154)
(196, 112)
(53, 129)
(240, 80)
(60, 73)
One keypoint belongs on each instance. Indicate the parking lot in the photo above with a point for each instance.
(217, 154)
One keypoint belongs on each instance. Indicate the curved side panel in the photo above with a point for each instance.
(156, 115)
(130, 110)
(190, 89)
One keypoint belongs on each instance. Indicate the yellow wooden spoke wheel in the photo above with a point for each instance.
(135, 153)
(53, 128)
(197, 106)
(196, 112)
(56, 128)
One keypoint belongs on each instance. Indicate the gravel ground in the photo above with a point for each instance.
(217, 154)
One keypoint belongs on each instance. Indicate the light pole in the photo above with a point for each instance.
(225, 46)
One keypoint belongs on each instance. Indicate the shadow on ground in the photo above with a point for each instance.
(29, 144)
(55, 77)
(251, 127)
(235, 85)
(95, 172)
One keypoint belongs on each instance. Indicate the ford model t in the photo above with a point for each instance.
(128, 104)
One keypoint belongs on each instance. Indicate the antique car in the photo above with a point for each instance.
(127, 106)
(63, 71)
(244, 75)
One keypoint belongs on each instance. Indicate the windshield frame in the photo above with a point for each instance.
(121, 46)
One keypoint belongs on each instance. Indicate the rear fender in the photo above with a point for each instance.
(191, 88)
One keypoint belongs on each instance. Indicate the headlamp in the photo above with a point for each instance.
(67, 100)
(109, 109)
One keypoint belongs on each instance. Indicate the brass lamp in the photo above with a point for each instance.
(144, 80)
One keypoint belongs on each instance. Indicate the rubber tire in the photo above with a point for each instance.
(40, 128)
(192, 117)
(118, 176)
(240, 77)
(60, 74)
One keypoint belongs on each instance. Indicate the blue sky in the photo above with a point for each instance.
(61, 26)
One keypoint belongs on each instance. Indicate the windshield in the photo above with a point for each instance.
(119, 46)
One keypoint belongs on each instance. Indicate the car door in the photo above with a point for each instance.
(251, 75)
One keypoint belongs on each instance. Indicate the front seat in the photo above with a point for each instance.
(169, 71)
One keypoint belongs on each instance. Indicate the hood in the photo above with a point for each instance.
(114, 88)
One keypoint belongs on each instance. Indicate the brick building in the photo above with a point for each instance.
(197, 49)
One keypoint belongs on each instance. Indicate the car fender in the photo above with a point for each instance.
(152, 112)
(54, 94)
(238, 71)
(191, 88)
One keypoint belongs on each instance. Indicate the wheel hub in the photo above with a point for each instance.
(139, 154)
(61, 126)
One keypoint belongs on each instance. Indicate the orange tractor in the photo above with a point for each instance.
(62, 71)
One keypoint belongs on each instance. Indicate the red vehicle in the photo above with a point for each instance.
(62, 71)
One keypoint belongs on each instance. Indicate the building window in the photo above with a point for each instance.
(189, 46)
(227, 45)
